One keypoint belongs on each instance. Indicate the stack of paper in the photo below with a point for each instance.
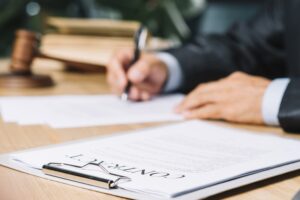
(89, 110)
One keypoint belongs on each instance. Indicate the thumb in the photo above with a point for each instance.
(139, 71)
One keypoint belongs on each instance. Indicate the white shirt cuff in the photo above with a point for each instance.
(175, 74)
(272, 100)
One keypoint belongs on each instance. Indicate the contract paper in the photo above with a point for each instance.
(87, 110)
(174, 160)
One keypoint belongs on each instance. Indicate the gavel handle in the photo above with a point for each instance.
(86, 67)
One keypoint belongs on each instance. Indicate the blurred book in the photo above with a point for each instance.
(83, 52)
(102, 27)
(88, 44)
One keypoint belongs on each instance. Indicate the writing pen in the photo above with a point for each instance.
(140, 39)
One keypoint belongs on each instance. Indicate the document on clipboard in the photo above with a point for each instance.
(190, 160)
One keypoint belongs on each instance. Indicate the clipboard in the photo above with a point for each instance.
(206, 191)
(199, 194)
(77, 173)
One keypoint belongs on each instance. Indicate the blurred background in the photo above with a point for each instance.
(177, 20)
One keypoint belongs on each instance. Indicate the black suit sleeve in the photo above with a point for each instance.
(255, 47)
(289, 112)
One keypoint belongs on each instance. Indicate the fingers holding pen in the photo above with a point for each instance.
(137, 94)
(116, 75)
(136, 75)
(147, 76)
(138, 72)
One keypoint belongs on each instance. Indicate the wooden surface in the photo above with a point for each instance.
(16, 185)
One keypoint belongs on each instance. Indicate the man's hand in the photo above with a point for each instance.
(147, 75)
(237, 98)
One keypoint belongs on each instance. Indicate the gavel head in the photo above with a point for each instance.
(25, 49)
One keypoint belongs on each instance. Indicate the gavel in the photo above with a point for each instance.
(25, 50)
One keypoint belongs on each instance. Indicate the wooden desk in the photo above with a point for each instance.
(16, 185)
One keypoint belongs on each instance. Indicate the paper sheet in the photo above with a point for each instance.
(177, 159)
(87, 110)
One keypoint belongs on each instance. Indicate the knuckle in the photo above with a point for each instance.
(212, 114)
(216, 112)
(234, 75)
(143, 65)
(237, 74)
(229, 114)
(223, 115)
(201, 85)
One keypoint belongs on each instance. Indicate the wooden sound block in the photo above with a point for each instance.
(25, 81)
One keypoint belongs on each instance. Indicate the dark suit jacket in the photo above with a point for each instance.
(267, 45)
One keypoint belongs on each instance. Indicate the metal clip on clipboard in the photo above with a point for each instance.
(77, 173)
